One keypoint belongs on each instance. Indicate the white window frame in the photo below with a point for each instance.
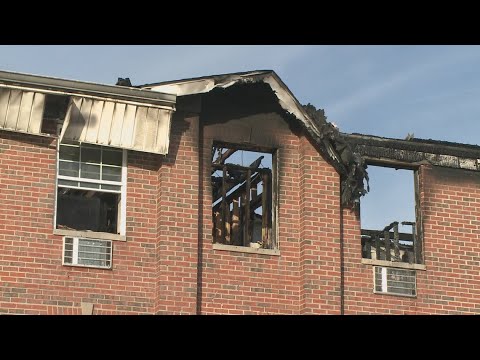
(122, 213)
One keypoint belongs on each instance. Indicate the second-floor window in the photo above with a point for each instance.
(90, 188)
(391, 216)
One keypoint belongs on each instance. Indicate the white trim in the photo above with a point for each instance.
(394, 264)
(90, 234)
(63, 252)
(123, 197)
(75, 251)
(89, 180)
(121, 216)
(33, 134)
(384, 279)
(246, 249)
(96, 181)
(56, 188)
(90, 189)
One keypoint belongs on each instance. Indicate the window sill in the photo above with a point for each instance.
(89, 266)
(394, 264)
(245, 249)
(90, 234)
(394, 294)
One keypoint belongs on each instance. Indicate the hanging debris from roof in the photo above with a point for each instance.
(352, 186)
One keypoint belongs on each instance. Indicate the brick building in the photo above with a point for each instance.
(219, 195)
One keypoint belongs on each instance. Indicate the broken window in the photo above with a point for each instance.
(242, 193)
(90, 188)
(390, 217)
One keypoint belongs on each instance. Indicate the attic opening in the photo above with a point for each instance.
(54, 113)
(243, 206)
(390, 216)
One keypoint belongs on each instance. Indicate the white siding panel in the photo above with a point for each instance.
(21, 110)
(119, 124)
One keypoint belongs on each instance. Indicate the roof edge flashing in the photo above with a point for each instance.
(88, 88)
(206, 84)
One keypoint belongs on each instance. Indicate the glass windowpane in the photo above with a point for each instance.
(90, 171)
(111, 173)
(68, 169)
(112, 157)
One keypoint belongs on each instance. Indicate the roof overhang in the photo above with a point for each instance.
(73, 87)
(116, 116)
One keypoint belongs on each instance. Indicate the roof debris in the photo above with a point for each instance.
(352, 184)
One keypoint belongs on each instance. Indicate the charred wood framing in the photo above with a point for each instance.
(241, 201)
(405, 245)
(246, 238)
(222, 157)
(414, 152)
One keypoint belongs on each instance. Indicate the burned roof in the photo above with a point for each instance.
(416, 144)
(330, 143)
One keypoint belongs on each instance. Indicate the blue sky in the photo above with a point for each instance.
(431, 91)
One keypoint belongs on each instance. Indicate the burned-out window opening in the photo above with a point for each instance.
(390, 216)
(90, 188)
(54, 113)
(242, 197)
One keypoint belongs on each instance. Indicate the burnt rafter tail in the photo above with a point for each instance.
(351, 165)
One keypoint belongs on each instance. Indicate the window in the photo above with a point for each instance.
(91, 190)
(87, 252)
(395, 281)
(390, 216)
(243, 206)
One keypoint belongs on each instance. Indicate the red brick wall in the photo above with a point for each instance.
(451, 283)
(169, 206)
(320, 229)
(32, 278)
(177, 220)
(305, 277)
